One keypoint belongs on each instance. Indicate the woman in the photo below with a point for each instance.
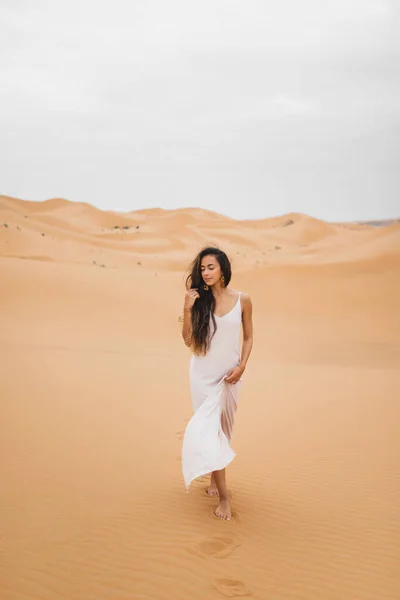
(213, 315)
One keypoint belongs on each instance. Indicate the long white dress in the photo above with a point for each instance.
(206, 443)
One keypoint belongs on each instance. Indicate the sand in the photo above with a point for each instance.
(95, 397)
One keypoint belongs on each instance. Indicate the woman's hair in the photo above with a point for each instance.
(204, 307)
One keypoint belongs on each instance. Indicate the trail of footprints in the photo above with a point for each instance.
(222, 547)
(219, 547)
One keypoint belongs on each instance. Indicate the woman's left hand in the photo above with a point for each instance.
(234, 375)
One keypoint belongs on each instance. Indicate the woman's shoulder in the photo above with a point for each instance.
(237, 292)
(244, 297)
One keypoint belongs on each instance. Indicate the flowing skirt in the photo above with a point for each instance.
(206, 443)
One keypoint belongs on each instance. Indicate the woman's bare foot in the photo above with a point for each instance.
(212, 490)
(223, 510)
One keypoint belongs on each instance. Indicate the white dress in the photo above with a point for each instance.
(206, 443)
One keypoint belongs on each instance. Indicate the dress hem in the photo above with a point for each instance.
(204, 472)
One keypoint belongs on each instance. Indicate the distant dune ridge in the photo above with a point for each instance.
(95, 397)
(164, 238)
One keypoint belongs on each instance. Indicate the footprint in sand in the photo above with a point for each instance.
(215, 547)
(231, 588)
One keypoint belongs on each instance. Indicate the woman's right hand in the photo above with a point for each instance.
(190, 298)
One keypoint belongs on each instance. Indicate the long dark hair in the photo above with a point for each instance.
(204, 307)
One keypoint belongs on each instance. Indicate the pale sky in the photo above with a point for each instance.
(251, 108)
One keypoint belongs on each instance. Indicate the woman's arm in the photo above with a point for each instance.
(247, 323)
(190, 298)
(187, 326)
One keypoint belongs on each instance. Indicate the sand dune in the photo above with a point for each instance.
(197, 213)
(95, 397)
(273, 222)
(308, 230)
(131, 237)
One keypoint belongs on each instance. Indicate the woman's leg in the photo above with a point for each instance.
(223, 510)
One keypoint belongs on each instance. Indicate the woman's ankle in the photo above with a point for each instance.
(223, 497)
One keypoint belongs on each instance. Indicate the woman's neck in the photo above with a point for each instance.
(218, 290)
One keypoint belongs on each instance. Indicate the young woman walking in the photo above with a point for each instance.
(214, 315)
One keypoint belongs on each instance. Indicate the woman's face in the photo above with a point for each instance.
(210, 269)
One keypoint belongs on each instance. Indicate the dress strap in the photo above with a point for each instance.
(239, 301)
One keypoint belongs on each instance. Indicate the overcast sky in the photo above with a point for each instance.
(252, 108)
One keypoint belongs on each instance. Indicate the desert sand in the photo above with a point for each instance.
(95, 397)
